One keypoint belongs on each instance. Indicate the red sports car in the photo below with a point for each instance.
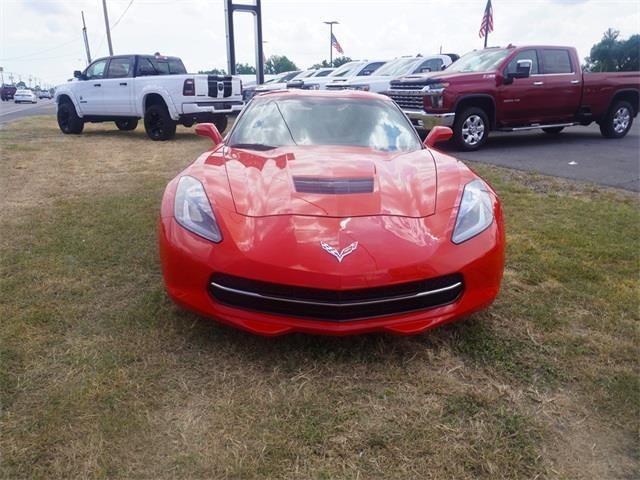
(322, 212)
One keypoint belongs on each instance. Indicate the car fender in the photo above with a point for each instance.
(164, 93)
(60, 91)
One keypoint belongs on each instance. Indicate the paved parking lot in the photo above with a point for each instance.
(579, 153)
(10, 111)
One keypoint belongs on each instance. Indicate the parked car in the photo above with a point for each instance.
(249, 92)
(158, 89)
(7, 92)
(357, 68)
(44, 94)
(381, 79)
(24, 95)
(300, 77)
(323, 212)
(518, 88)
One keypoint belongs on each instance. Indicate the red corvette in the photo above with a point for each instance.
(322, 212)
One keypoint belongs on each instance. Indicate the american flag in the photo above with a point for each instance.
(486, 26)
(336, 45)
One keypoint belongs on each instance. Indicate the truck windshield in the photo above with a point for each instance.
(479, 60)
(270, 123)
(397, 67)
(346, 69)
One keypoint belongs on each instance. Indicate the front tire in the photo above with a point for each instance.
(128, 124)
(553, 130)
(158, 123)
(471, 129)
(221, 123)
(618, 120)
(68, 119)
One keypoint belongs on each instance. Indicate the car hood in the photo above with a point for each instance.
(331, 181)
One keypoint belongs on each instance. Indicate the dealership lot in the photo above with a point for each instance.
(97, 364)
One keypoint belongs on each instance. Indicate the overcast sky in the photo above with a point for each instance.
(43, 38)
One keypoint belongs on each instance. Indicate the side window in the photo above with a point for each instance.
(524, 55)
(370, 68)
(556, 61)
(145, 68)
(324, 73)
(119, 67)
(96, 70)
(431, 65)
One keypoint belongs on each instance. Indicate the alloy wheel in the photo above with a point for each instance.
(621, 120)
(473, 130)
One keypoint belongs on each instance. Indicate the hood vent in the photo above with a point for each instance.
(333, 186)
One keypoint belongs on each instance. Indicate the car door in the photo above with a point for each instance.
(522, 101)
(117, 87)
(561, 83)
(89, 89)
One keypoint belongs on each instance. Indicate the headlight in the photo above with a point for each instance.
(193, 211)
(359, 87)
(475, 213)
(437, 87)
(311, 86)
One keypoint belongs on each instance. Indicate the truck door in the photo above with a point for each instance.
(523, 101)
(561, 83)
(117, 87)
(89, 90)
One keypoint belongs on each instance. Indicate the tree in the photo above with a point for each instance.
(337, 62)
(213, 71)
(245, 69)
(278, 64)
(614, 55)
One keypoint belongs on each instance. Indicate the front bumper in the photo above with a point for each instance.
(422, 119)
(231, 106)
(189, 263)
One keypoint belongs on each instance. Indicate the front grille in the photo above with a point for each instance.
(219, 86)
(335, 305)
(337, 87)
(333, 186)
(406, 100)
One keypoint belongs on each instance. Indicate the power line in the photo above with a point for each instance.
(120, 17)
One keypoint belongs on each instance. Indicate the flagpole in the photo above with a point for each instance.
(486, 38)
(331, 23)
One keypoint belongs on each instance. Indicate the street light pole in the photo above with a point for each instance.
(106, 23)
(331, 24)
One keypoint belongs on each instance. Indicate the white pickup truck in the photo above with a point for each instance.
(158, 89)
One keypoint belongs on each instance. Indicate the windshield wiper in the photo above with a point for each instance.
(253, 146)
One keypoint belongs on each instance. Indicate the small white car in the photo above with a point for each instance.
(24, 95)
(301, 77)
(357, 68)
(381, 80)
(44, 94)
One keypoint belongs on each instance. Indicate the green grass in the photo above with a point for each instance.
(102, 376)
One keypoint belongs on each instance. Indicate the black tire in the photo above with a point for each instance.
(158, 123)
(128, 124)
(471, 129)
(618, 120)
(221, 123)
(68, 119)
(553, 130)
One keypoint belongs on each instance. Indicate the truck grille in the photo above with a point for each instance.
(335, 305)
(219, 86)
(407, 100)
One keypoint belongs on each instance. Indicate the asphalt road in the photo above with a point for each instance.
(579, 153)
(10, 111)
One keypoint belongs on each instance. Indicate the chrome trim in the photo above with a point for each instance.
(430, 120)
(538, 125)
(537, 84)
(333, 304)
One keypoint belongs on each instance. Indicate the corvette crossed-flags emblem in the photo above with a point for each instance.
(339, 255)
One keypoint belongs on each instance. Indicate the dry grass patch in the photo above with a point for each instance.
(101, 376)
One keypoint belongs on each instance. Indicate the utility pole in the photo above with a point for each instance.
(86, 40)
(331, 24)
(106, 24)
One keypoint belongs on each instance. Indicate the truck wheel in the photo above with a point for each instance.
(471, 129)
(68, 119)
(128, 124)
(221, 123)
(553, 130)
(618, 120)
(158, 123)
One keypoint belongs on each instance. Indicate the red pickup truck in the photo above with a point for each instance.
(518, 88)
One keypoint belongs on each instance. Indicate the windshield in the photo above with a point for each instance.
(305, 74)
(397, 67)
(346, 69)
(479, 61)
(270, 123)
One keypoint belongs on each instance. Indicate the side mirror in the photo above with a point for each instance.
(78, 74)
(443, 67)
(436, 135)
(523, 70)
(209, 130)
